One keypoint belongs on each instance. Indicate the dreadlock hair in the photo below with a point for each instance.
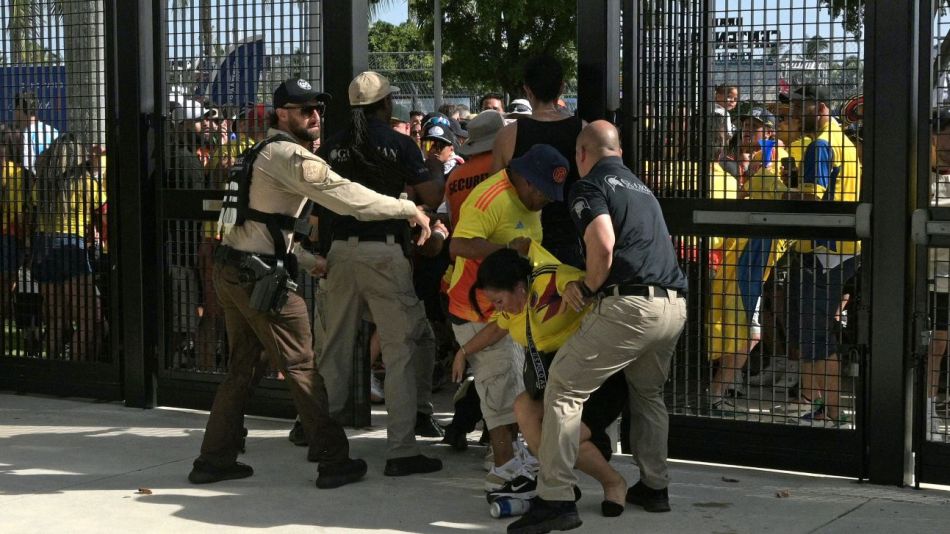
(60, 172)
(373, 165)
(501, 270)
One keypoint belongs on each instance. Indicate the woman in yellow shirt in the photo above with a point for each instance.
(527, 291)
(65, 197)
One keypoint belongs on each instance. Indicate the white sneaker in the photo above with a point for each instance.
(789, 378)
(375, 390)
(497, 477)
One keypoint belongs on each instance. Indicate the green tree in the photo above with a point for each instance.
(485, 43)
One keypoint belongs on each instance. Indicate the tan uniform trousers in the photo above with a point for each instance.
(377, 275)
(424, 356)
(636, 335)
(286, 340)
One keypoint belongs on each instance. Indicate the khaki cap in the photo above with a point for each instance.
(369, 87)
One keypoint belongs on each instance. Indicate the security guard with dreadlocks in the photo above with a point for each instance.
(367, 265)
(253, 277)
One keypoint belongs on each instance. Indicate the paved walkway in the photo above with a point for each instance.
(76, 466)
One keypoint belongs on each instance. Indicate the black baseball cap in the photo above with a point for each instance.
(435, 132)
(816, 93)
(760, 114)
(544, 168)
(297, 91)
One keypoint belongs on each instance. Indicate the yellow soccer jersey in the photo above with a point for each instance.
(13, 200)
(552, 320)
(84, 196)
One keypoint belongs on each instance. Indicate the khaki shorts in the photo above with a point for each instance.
(498, 374)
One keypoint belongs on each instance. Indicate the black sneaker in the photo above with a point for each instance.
(334, 475)
(205, 473)
(411, 465)
(297, 436)
(650, 499)
(545, 516)
(428, 427)
(521, 487)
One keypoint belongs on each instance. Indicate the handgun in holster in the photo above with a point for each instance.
(272, 284)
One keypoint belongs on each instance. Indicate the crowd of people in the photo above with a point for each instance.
(516, 234)
(53, 238)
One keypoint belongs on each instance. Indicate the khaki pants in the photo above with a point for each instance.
(285, 338)
(498, 371)
(637, 335)
(377, 275)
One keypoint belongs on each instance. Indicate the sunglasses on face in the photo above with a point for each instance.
(308, 110)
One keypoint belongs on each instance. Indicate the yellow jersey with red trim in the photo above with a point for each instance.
(492, 212)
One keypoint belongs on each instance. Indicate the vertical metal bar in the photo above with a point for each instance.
(133, 86)
(631, 104)
(346, 26)
(437, 55)
(598, 42)
(891, 89)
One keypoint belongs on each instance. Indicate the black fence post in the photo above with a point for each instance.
(133, 184)
(598, 59)
(346, 53)
(890, 165)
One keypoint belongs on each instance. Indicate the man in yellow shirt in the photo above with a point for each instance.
(831, 172)
(501, 212)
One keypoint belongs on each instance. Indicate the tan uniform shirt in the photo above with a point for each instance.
(286, 175)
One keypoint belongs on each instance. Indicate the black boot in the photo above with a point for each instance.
(545, 516)
(205, 473)
(428, 427)
(650, 499)
(334, 475)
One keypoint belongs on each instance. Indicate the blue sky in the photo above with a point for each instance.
(395, 12)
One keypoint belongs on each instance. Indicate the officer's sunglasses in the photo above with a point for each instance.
(308, 110)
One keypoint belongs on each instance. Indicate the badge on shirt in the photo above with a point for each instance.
(314, 172)
(580, 206)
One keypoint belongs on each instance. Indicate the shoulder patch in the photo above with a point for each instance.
(314, 171)
(579, 207)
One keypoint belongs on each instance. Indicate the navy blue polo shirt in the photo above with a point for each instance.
(643, 250)
(401, 165)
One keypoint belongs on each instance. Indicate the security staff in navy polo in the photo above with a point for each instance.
(367, 266)
(635, 290)
(253, 276)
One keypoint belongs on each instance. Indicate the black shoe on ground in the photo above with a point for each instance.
(650, 499)
(428, 427)
(545, 516)
(456, 439)
(205, 473)
(411, 465)
(334, 475)
(297, 436)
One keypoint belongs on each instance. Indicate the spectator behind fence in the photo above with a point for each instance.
(37, 135)
(726, 98)
(65, 196)
(547, 124)
(831, 172)
(368, 266)
(13, 208)
(492, 101)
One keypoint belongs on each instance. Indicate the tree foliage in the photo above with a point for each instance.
(486, 42)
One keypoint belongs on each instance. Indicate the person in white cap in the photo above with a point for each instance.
(367, 267)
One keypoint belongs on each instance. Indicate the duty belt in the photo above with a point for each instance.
(383, 238)
(223, 254)
(639, 290)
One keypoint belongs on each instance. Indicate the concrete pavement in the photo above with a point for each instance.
(76, 466)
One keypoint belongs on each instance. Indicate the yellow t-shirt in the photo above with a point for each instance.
(85, 196)
(553, 321)
(831, 159)
(492, 212)
(13, 199)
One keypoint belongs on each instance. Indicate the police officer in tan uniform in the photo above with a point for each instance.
(283, 176)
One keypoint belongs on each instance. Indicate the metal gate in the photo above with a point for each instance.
(221, 62)
(728, 96)
(931, 230)
(56, 306)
